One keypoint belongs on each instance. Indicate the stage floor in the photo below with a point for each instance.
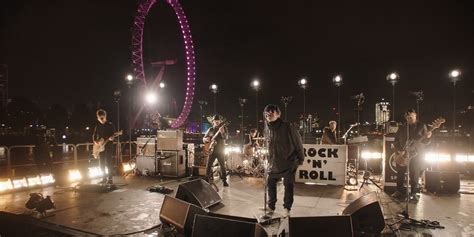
(133, 209)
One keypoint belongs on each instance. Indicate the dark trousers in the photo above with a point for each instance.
(106, 160)
(288, 182)
(415, 172)
(221, 160)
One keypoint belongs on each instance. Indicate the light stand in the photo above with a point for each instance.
(393, 78)
(214, 90)
(265, 217)
(360, 99)
(454, 77)
(256, 86)
(337, 80)
(286, 100)
(303, 83)
(129, 81)
(366, 175)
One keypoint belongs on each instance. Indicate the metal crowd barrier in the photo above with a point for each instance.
(66, 148)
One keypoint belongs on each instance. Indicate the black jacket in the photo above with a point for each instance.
(285, 148)
(416, 131)
(329, 137)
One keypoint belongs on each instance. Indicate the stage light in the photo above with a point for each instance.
(74, 175)
(128, 166)
(352, 181)
(20, 183)
(33, 180)
(162, 85)
(47, 179)
(370, 155)
(303, 83)
(129, 78)
(5, 185)
(95, 172)
(213, 88)
(461, 158)
(255, 84)
(151, 98)
(64, 136)
(233, 149)
(437, 157)
(87, 128)
(454, 75)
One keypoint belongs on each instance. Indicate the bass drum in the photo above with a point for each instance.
(248, 150)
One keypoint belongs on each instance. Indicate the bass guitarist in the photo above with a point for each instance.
(104, 130)
(216, 134)
(417, 131)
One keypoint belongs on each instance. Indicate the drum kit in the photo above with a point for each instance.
(252, 161)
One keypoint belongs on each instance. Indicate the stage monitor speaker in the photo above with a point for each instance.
(205, 226)
(366, 214)
(180, 214)
(198, 192)
(442, 182)
(321, 226)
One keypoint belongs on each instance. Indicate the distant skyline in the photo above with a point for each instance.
(80, 52)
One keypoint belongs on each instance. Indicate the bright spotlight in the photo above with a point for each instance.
(47, 179)
(454, 73)
(337, 80)
(437, 157)
(5, 184)
(303, 83)
(369, 155)
(255, 84)
(20, 183)
(129, 77)
(74, 175)
(162, 85)
(95, 172)
(128, 166)
(33, 180)
(151, 98)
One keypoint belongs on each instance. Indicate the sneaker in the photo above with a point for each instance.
(286, 212)
(270, 210)
(414, 197)
(225, 183)
(398, 195)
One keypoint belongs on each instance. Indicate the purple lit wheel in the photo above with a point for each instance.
(137, 52)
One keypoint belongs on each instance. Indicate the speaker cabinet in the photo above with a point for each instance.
(146, 165)
(389, 166)
(321, 226)
(198, 192)
(205, 226)
(366, 214)
(180, 214)
(442, 182)
(170, 139)
(172, 163)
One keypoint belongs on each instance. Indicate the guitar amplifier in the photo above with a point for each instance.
(389, 171)
(146, 146)
(170, 140)
(172, 163)
(146, 165)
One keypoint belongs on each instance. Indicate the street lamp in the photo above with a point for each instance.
(129, 81)
(337, 80)
(214, 89)
(256, 86)
(162, 85)
(303, 83)
(454, 77)
(242, 102)
(393, 79)
(286, 100)
(151, 98)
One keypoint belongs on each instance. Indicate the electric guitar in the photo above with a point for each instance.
(100, 146)
(209, 146)
(412, 146)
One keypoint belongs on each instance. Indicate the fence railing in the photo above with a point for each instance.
(67, 148)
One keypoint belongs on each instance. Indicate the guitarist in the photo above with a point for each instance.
(218, 151)
(416, 130)
(104, 130)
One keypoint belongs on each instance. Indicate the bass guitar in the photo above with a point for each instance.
(100, 146)
(412, 146)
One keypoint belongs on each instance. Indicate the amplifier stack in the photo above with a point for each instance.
(163, 154)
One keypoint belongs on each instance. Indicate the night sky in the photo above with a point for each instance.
(72, 52)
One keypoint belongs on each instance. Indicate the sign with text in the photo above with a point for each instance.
(323, 164)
